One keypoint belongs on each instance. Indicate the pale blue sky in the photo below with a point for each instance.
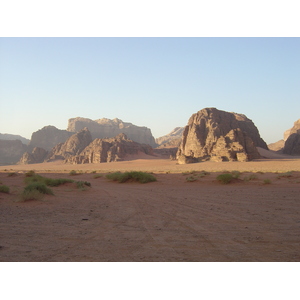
(153, 82)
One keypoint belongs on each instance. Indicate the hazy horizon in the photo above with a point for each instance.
(154, 82)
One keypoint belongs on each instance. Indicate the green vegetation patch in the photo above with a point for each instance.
(47, 181)
(225, 178)
(4, 189)
(267, 181)
(285, 175)
(38, 186)
(82, 185)
(135, 176)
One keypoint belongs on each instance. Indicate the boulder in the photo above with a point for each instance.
(106, 128)
(109, 150)
(220, 135)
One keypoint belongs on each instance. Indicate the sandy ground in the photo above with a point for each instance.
(168, 220)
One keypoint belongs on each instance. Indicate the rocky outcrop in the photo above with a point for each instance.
(72, 146)
(277, 147)
(106, 128)
(171, 139)
(292, 144)
(11, 151)
(220, 136)
(109, 150)
(12, 137)
(294, 129)
(48, 137)
(37, 155)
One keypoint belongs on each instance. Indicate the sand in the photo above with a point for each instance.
(168, 220)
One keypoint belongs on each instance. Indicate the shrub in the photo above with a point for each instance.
(12, 174)
(82, 185)
(34, 178)
(4, 189)
(73, 172)
(190, 179)
(225, 178)
(29, 173)
(236, 174)
(250, 177)
(97, 176)
(141, 177)
(31, 195)
(285, 175)
(267, 181)
(57, 182)
(38, 186)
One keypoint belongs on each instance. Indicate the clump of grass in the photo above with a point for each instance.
(31, 195)
(250, 177)
(73, 173)
(38, 186)
(267, 181)
(189, 173)
(12, 174)
(29, 173)
(82, 185)
(225, 178)
(4, 189)
(285, 175)
(236, 174)
(47, 181)
(97, 176)
(141, 177)
(190, 179)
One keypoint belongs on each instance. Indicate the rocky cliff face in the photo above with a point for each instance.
(11, 151)
(106, 128)
(109, 150)
(48, 137)
(292, 145)
(294, 129)
(219, 136)
(172, 138)
(37, 155)
(72, 146)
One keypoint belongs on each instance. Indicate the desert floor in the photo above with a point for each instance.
(168, 220)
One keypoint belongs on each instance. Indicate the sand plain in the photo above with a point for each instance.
(168, 220)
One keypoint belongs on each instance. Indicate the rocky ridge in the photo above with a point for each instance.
(212, 134)
(109, 150)
(106, 128)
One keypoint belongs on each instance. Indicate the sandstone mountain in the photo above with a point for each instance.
(11, 151)
(171, 139)
(289, 144)
(72, 146)
(48, 137)
(109, 150)
(12, 137)
(220, 136)
(37, 155)
(106, 128)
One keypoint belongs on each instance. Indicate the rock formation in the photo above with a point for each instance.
(106, 128)
(11, 151)
(289, 144)
(292, 145)
(72, 146)
(220, 136)
(294, 129)
(12, 137)
(171, 139)
(48, 137)
(37, 155)
(109, 150)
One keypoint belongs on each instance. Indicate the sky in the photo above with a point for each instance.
(154, 82)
